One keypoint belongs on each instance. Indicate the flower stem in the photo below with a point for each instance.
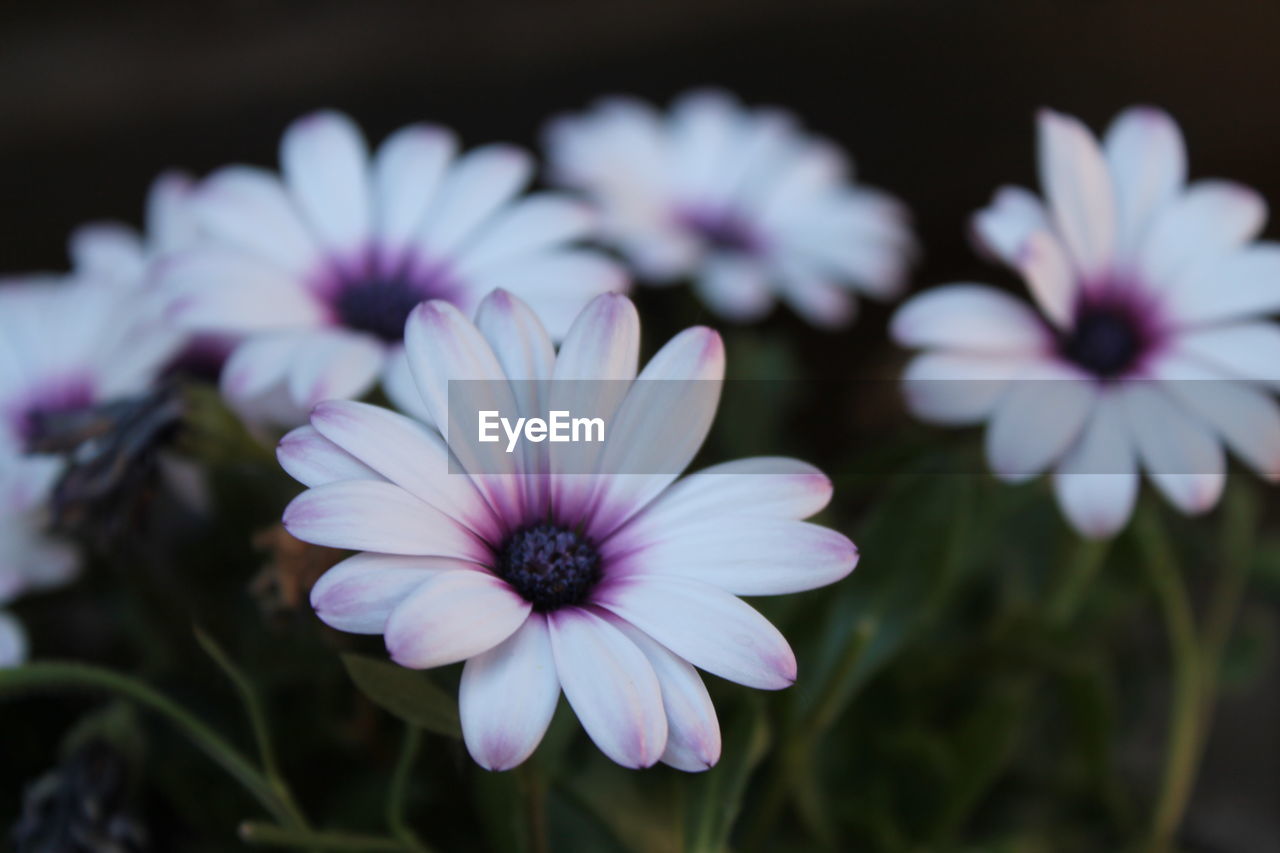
(1075, 577)
(1184, 723)
(535, 791)
(257, 719)
(400, 788)
(267, 835)
(38, 676)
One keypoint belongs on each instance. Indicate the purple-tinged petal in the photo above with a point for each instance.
(971, 317)
(358, 594)
(365, 515)
(693, 731)
(313, 460)
(611, 686)
(1049, 277)
(1078, 185)
(508, 695)
(557, 283)
(604, 342)
(325, 163)
(334, 364)
(1181, 455)
(408, 454)
(453, 616)
(706, 626)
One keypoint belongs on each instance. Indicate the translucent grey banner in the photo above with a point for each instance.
(575, 427)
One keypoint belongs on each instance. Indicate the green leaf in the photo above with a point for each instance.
(405, 693)
(716, 798)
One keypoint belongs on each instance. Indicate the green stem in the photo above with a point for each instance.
(257, 719)
(1076, 577)
(1239, 524)
(400, 788)
(267, 835)
(41, 676)
(1184, 723)
(535, 792)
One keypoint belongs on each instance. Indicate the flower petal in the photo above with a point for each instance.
(693, 731)
(477, 186)
(221, 290)
(1148, 162)
(366, 515)
(1078, 186)
(325, 163)
(1038, 421)
(706, 626)
(13, 641)
(358, 594)
(557, 284)
(735, 288)
(1097, 484)
(970, 317)
(1235, 286)
(1208, 221)
(611, 686)
(313, 460)
(407, 454)
(603, 343)
(1048, 272)
(534, 224)
(248, 209)
(453, 616)
(1243, 350)
(958, 388)
(407, 172)
(508, 695)
(741, 554)
(1002, 227)
(1180, 454)
(333, 364)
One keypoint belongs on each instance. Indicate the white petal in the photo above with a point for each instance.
(1003, 226)
(477, 186)
(334, 364)
(170, 219)
(693, 731)
(366, 515)
(959, 388)
(603, 343)
(1148, 163)
(734, 287)
(1049, 277)
(1097, 483)
(227, 291)
(407, 171)
(704, 126)
(325, 163)
(1078, 186)
(408, 454)
(557, 284)
(402, 388)
(508, 695)
(248, 209)
(109, 251)
(611, 686)
(1180, 454)
(532, 225)
(518, 338)
(741, 554)
(1037, 421)
(1247, 419)
(1242, 350)
(453, 616)
(1235, 286)
(660, 425)
(13, 641)
(313, 460)
(969, 317)
(358, 594)
(706, 626)
(258, 364)
(815, 296)
(1209, 220)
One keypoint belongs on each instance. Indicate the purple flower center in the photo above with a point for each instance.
(1108, 339)
(549, 565)
(379, 306)
(722, 230)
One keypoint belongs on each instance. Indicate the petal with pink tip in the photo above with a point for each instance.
(358, 594)
(453, 616)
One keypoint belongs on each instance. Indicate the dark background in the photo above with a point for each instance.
(935, 98)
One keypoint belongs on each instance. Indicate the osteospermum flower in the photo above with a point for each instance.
(1151, 297)
(741, 201)
(610, 587)
(319, 268)
(65, 346)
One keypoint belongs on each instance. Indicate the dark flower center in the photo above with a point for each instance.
(1107, 340)
(722, 230)
(549, 565)
(379, 306)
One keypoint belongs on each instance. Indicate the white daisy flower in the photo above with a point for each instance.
(13, 641)
(319, 268)
(64, 346)
(742, 202)
(612, 588)
(1151, 294)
